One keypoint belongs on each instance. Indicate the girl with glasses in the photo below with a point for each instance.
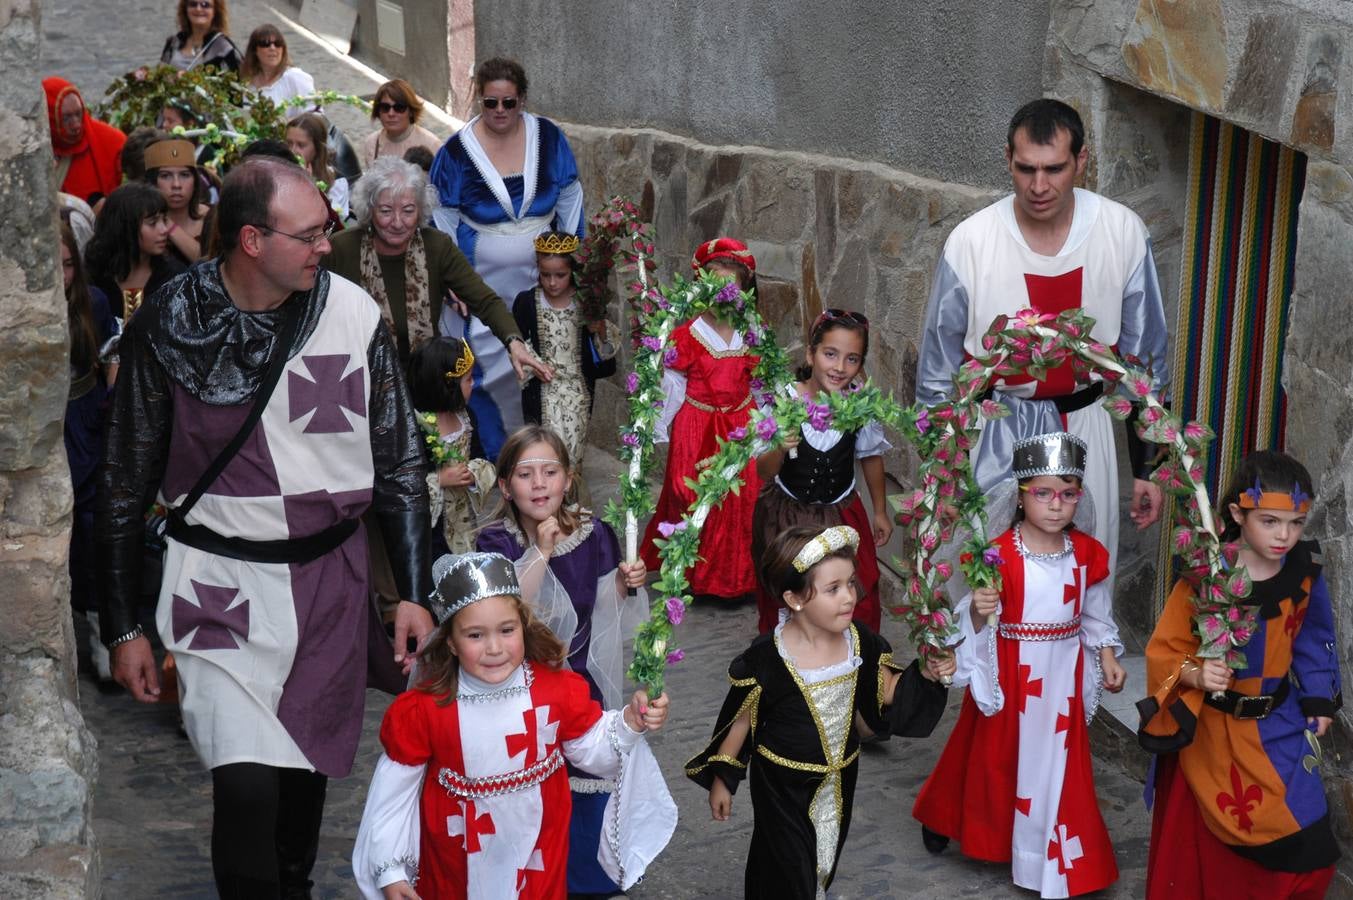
(267, 67)
(397, 110)
(812, 480)
(1014, 783)
(202, 38)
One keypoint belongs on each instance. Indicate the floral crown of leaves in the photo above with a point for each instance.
(1258, 498)
(557, 243)
(829, 541)
(462, 366)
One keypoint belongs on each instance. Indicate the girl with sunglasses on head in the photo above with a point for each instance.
(268, 69)
(1014, 783)
(812, 479)
(708, 388)
(202, 38)
(1239, 805)
(397, 109)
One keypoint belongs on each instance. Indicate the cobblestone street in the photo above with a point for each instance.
(153, 800)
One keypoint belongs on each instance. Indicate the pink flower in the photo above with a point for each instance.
(676, 610)
(630, 439)
(923, 421)
(819, 416)
(676, 656)
(667, 529)
(632, 382)
(767, 428)
(738, 434)
(1232, 614)
(944, 569)
(1196, 431)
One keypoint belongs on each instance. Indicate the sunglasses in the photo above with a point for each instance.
(383, 108)
(271, 42)
(199, 4)
(833, 315)
(492, 102)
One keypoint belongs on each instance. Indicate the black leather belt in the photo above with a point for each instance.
(1067, 403)
(1250, 706)
(291, 550)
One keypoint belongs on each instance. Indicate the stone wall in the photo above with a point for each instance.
(1283, 69)
(924, 87)
(47, 757)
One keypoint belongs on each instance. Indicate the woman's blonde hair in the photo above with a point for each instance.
(440, 669)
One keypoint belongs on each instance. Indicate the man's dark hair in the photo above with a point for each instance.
(267, 147)
(246, 197)
(1042, 119)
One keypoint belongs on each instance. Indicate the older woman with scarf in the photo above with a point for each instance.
(88, 152)
(408, 268)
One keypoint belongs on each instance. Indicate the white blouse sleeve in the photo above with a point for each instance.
(640, 815)
(674, 394)
(387, 840)
(1098, 630)
(975, 657)
(869, 441)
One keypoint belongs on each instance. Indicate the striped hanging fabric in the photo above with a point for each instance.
(1240, 240)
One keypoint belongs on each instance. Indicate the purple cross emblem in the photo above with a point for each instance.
(213, 620)
(327, 395)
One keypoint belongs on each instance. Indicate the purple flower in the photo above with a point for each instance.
(819, 416)
(632, 382)
(650, 342)
(923, 421)
(767, 428)
(663, 304)
(752, 337)
(729, 293)
(676, 656)
(631, 439)
(737, 434)
(667, 529)
(756, 384)
(676, 610)
(670, 357)
(992, 557)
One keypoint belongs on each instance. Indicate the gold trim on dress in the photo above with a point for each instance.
(816, 768)
(746, 402)
(719, 354)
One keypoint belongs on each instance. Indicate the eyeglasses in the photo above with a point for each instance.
(310, 241)
(492, 102)
(383, 108)
(268, 43)
(199, 4)
(1044, 495)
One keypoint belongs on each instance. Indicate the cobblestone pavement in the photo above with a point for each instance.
(153, 799)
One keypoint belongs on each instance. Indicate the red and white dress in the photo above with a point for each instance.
(708, 389)
(471, 799)
(1033, 683)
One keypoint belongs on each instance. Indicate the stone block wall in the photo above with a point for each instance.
(48, 759)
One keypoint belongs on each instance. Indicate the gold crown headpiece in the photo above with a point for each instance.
(462, 366)
(557, 243)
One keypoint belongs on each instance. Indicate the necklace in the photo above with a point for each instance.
(1029, 554)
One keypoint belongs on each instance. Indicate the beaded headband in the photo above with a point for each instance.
(557, 243)
(469, 578)
(175, 152)
(1059, 453)
(829, 541)
(462, 366)
(1258, 498)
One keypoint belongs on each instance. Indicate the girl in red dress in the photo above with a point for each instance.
(709, 394)
(471, 796)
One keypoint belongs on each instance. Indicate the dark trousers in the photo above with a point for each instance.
(265, 830)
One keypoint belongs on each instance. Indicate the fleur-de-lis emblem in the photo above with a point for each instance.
(1242, 801)
(1312, 759)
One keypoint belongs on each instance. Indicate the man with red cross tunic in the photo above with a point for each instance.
(1050, 246)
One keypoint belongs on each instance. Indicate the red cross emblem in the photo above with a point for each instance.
(535, 864)
(1065, 848)
(470, 826)
(1023, 804)
(1033, 687)
(1064, 724)
(539, 735)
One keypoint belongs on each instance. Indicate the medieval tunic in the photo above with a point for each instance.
(471, 798)
(802, 752)
(987, 270)
(708, 394)
(271, 655)
(1014, 782)
(1251, 785)
(494, 219)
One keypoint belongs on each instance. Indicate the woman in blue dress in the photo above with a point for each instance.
(504, 178)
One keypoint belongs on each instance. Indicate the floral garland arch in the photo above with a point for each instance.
(617, 233)
(943, 435)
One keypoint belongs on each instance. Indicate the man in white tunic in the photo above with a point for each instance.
(1050, 246)
(264, 599)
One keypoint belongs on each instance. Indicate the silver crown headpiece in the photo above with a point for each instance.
(469, 578)
(1059, 453)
